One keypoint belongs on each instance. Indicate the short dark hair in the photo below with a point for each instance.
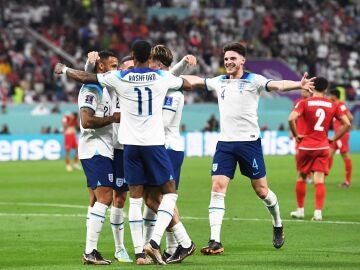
(335, 92)
(236, 47)
(106, 54)
(141, 50)
(163, 54)
(320, 84)
(126, 58)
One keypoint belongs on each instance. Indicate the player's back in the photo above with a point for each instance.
(317, 113)
(141, 92)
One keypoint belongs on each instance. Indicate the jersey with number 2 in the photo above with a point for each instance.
(318, 113)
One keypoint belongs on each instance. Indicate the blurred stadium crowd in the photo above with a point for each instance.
(321, 37)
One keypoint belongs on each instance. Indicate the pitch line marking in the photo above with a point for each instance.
(186, 218)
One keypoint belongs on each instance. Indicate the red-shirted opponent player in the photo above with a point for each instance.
(71, 125)
(313, 151)
(343, 143)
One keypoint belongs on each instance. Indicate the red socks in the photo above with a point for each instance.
(300, 189)
(319, 195)
(348, 170)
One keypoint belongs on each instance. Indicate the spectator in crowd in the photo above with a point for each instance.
(5, 130)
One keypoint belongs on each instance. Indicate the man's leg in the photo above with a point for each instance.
(117, 225)
(348, 169)
(216, 214)
(320, 190)
(164, 216)
(95, 224)
(270, 200)
(300, 189)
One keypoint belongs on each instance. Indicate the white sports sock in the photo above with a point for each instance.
(117, 226)
(149, 218)
(171, 242)
(135, 223)
(165, 213)
(88, 215)
(216, 214)
(181, 235)
(272, 205)
(95, 224)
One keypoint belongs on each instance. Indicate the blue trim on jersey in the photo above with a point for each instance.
(246, 76)
(92, 86)
(116, 224)
(88, 106)
(123, 73)
(169, 109)
(146, 219)
(266, 87)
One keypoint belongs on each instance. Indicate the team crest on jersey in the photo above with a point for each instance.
(241, 86)
(89, 99)
(120, 182)
(111, 179)
(215, 167)
(168, 101)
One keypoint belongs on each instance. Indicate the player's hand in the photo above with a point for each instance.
(93, 57)
(190, 60)
(116, 117)
(299, 138)
(59, 68)
(307, 84)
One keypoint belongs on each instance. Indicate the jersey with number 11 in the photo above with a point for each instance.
(317, 113)
(141, 92)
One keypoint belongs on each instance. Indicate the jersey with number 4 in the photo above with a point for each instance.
(141, 92)
(95, 141)
(317, 113)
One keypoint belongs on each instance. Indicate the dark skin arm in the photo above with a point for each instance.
(88, 120)
(77, 75)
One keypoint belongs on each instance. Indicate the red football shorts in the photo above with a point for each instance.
(308, 161)
(342, 144)
(70, 141)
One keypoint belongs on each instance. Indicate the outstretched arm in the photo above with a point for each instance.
(287, 85)
(77, 75)
(195, 81)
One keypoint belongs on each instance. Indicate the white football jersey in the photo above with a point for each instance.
(141, 92)
(116, 108)
(172, 111)
(238, 101)
(95, 141)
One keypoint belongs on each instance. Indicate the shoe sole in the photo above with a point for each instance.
(180, 260)
(123, 260)
(142, 261)
(84, 261)
(149, 250)
(209, 251)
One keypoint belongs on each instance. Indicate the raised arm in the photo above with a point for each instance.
(91, 60)
(287, 85)
(180, 67)
(77, 75)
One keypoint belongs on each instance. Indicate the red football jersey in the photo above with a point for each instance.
(317, 113)
(337, 123)
(300, 122)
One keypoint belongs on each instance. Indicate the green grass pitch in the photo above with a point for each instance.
(43, 207)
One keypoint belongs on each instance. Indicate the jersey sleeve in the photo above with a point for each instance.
(299, 107)
(261, 82)
(174, 83)
(212, 83)
(340, 111)
(89, 97)
(108, 79)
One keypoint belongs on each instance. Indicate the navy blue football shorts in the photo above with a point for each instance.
(119, 183)
(147, 165)
(98, 171)
(177, 158)
(248, 154)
